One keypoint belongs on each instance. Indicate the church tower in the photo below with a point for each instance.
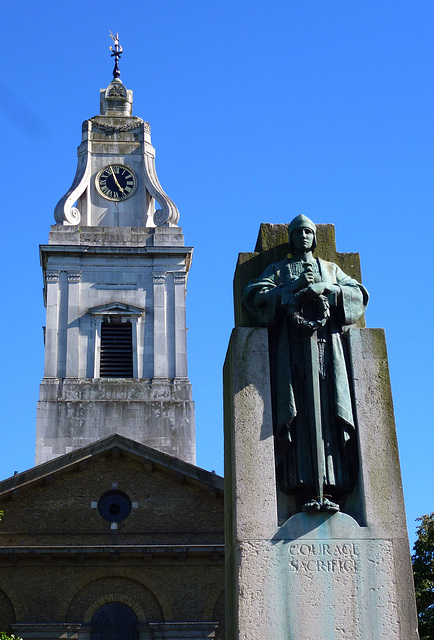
(115, 533)
(115, 271)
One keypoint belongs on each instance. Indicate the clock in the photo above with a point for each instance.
(116, 182)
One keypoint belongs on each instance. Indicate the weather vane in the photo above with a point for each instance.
(117, 52)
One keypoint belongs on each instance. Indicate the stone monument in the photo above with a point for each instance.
(316, 539)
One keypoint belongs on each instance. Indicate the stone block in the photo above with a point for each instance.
(116, 236)
(72, 414)
(318, 575)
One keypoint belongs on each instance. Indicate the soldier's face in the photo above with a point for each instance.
(302, 239)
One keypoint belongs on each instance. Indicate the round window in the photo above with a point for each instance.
(114, 506)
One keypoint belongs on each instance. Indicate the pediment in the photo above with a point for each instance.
(64, 504)
(115, 445)
(117, 309)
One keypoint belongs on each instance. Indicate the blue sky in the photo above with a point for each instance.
(259, 111)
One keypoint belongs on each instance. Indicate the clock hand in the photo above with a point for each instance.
(115, 179)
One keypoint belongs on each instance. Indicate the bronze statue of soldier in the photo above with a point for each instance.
(307, 303)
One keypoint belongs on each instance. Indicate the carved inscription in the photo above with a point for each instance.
(319, 557)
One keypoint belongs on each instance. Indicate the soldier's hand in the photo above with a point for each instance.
(307, 277)
(317, 288)
(323, 288)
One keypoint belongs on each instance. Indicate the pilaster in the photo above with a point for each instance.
(179, 281)
(62, 332)
(160, 335)
(52, 295)
(73, 328)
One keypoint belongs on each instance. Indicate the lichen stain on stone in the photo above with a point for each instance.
(374, 344)
(271, 235)
(245, 256)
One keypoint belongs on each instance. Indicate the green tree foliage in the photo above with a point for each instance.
(423, 569)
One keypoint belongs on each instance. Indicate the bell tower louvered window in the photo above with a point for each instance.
(115, 340)
(116, 350)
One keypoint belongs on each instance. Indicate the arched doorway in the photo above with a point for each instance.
(114, 621)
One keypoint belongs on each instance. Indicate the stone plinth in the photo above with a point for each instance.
(318, 576)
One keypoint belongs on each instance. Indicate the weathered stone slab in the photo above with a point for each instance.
(319, 576)
(72, 414)
(340, 581)
(316, 586)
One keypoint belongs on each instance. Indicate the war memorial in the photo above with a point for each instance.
(115, 533)
(316, 539)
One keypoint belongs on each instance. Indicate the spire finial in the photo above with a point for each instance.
(117, 52)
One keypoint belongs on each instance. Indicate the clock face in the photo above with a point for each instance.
(116, 182)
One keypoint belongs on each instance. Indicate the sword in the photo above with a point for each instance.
(314, 412)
